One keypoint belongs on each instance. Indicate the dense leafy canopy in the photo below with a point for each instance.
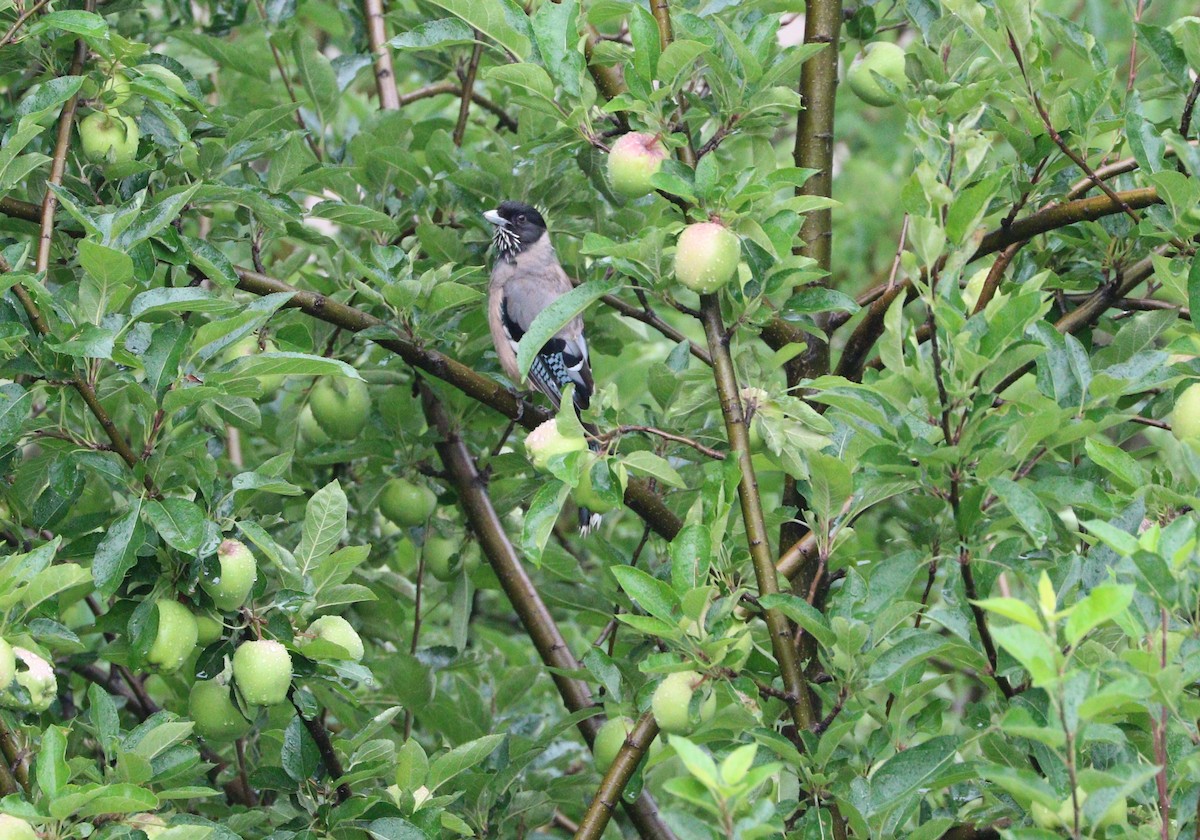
(907, 546)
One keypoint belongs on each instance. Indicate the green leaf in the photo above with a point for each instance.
(460, 759)
(555, 316)
(324, 522)
(543, 512)
(1193, 286)
(1029, 511)
(804, 614)
(908, 772)
(88, 24)
(1118, 463)
(528, 76)
(691, 556)
(647, 462)
(556, 28)
(434, 34)
(354, 215)
(115, 798)
(116, 553)
(643, 31)
(1018, 611)
(317, 76)
(15, 403)
(179, 522)
(1102, 604)
(501, 20)
(650, 593)
(52, 771)
(257, 365)
(395, 828)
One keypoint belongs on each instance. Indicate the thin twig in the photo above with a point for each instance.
(58, 160)
(287, 83)
(320, 737)
(20, 21)
(468, 87)
(651, 430)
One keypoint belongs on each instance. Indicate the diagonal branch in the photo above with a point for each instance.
(468, 88)
(531, 610)
(637, 742)
(752, 512)
(58, 161)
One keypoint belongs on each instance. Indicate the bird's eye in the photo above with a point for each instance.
(520, 218)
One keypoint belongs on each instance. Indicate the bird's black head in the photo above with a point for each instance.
(517, 227)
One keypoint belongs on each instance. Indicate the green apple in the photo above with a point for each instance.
(104, 135)
(585, 494)
(15, 828)
(217, 717)
(176, 638)
(405, 503)
(884, 58)
(546, 441)
(610, 737)
(311, 433)
(238, 572)
(671, 703)
(8, 664)
(335, 629)
(706, 257)
(36, 676)
(113, 91)
(208, 628)
(1185, 419)
(633, 160)
(341, 406)
(263, 672)
(441, 557)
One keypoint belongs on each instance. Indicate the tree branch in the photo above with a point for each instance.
(58, 161)
(14, 772)
(325, 747)
(385, 73)
(752, 512)
(468, 88)
(531, 610)
(596, 818)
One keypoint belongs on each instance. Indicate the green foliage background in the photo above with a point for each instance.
(959, 418)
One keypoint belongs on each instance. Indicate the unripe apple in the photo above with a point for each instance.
(405, 503)
(706, 257)
(341, 406)
(235, 578)
(263, 672)
(634, 158)
(113, 91)
(884, 58)
(546, 441)
(585, 494)
(1185, 419)
(216, 716)
(176, 639)
(610, 737)
(311, 433)
(208, 629)
(15, 828)
(441, 557)
(8, 664)
(36, 676)
(102, 134)
(335, 629)
(1064, 817)
(672, 700)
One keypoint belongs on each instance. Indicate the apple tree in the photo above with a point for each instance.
(895, 432)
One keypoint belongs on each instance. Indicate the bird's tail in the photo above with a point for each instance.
(589, 520)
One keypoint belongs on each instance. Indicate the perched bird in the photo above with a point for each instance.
(526, 278)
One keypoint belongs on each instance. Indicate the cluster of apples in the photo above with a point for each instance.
(706, 253)
(108, 134)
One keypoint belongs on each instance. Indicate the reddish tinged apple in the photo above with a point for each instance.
(634, 158)
(706, 257)
(546, 441)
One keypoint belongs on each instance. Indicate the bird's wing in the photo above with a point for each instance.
(561, 361)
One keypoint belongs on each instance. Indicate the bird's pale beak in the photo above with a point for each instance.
(495, 218)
